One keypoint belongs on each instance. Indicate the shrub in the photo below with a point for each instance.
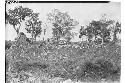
(97, 70)
(88, 70)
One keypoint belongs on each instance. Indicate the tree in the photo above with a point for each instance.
(16, 16)
(116, 29)
(63, 24)
(33, 26)
(97, 30)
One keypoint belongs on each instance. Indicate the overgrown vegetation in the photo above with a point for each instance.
(68, 62)
(48, 59)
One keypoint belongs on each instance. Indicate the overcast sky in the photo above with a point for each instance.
(82, 12)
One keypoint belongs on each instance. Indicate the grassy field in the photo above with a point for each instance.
(50, 63)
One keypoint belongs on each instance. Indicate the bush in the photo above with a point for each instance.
(100, 69)
(88, 70)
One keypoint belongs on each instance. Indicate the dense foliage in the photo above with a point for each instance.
(63, 24)
(77, 61)
(16, 16)
(101, 31)
(97, 59)
(33, 26)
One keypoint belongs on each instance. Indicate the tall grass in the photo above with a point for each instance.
(76, 61)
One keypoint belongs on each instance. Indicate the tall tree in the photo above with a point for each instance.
(33, 26)
(16, 16)
(63, 24)
(97, 30)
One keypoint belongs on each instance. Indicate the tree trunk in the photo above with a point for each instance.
(35, 38)
(43, 39)
(17, 30)
(32, 37)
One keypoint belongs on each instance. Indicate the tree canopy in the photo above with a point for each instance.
(63, 24)
(100, 31)
(16, 16)
(33, 26)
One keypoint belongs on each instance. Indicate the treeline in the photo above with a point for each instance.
(99, 31)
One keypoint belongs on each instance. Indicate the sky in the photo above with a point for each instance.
(82, 12)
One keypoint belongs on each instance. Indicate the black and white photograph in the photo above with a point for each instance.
(62, 42)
